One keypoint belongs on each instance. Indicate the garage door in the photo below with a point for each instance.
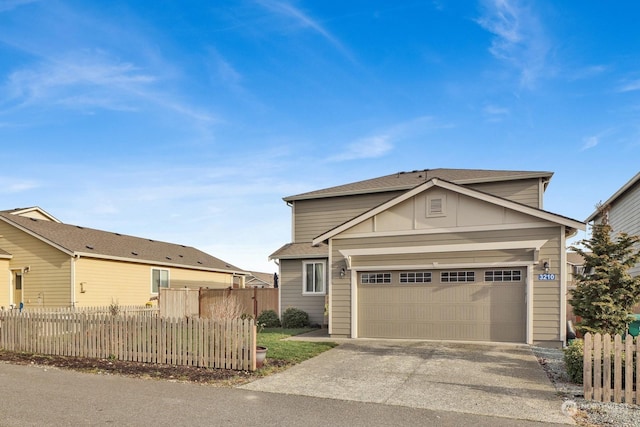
(470, 305)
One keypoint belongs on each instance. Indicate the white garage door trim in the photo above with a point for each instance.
(528, 288)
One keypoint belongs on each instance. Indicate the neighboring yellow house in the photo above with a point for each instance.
(51, 264)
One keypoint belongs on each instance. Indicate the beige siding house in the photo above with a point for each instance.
(51, 264)
(444, 254)
(623, 210)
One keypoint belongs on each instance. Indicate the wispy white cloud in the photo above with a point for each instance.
(593, 140)
(12, 186)
(6, 5)
(630, 86)
(519, 39)
(588, 72)
(305, 21)
(366, 148)
(493, 113)
(53, 80)
(383, 142)
(90, 80)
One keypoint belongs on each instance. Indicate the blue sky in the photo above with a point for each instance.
(189, 121)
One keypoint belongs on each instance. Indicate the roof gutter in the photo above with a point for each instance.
(159, 263)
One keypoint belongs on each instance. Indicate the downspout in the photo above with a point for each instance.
(74, 257)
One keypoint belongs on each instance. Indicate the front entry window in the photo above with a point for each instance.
(313, 278)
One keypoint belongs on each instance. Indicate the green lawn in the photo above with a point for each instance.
(291, 352)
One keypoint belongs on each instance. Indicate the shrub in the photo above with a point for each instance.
(269, 319)
(573, 360)
(226, 308)
(294, 318)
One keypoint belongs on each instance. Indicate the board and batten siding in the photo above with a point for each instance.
(291, 292)
(315, 216)
(525, 191)
(48, 282)
(624, 216)
(546, 295)
(101, 282)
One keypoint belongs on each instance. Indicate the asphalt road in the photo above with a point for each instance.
(39, 396)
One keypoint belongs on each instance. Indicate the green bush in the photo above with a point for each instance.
(269, 319)
(295, 318)
(574, 360)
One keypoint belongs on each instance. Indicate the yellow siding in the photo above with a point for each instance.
(47, 284)
(101, 282)
(5, 283)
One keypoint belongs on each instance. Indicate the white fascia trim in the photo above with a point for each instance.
(438, 266)
(37, 236)
(563, 286)
(271, 258)
(6, 256)
(617, 194)
(468, 229)
(162, 264)
(529, 304)
(354, 303)
(469, 247)
(557, 219)
(38, 209)
(329, 290)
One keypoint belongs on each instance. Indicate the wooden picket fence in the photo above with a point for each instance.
(116, 309)
(137, 338)
(609, 368)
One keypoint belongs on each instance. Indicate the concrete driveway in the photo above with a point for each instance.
(495, 380)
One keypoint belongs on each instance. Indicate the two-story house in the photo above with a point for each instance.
(623, 211)
(449, 254)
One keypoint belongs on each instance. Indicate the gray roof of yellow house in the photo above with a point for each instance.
(88, 242)
(406, 180)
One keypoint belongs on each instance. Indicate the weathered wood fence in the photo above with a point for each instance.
(180, 302)
(252, 300)
(152, 339)
(611, 368)
(114, 309)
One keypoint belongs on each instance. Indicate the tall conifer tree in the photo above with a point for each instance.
(605, 293)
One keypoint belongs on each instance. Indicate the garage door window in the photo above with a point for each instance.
(415, 277)
(457, 276)
(313, 278)
(502, 276)
(367, 278)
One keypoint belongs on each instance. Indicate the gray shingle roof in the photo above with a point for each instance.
(407, 180)
(82, 240)
(300, 250)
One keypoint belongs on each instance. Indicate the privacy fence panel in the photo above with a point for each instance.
(610, 369)
(138, 338)
(178, 302)
(253, 301)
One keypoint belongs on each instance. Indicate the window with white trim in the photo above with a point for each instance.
(371, 278)
(313, 278)
(159, 279)
(457, 276)
(415, 277)
(502, 276)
